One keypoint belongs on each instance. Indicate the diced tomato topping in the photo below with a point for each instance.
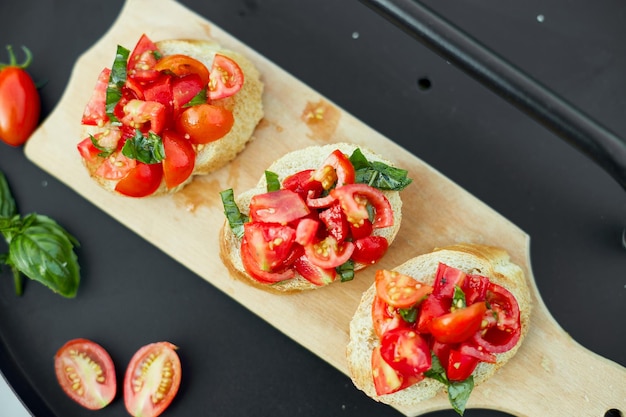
(182, 65)
(406, 351)
(385, 317)
(400, 290)
(354, 199)
(141, 181)
(95, 110)
(138, 112)
(369, 249)
(313, 273)
(142, 60)
(304, 184)
(116, 167)
(226, 78)
(336, 222)
(460, 366)
(282, 206)
(87, 150)
(458, 325)
(180, 158)
(335, 171)
(252, 267)
(328, 253)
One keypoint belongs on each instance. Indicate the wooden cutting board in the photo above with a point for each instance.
(551, 374)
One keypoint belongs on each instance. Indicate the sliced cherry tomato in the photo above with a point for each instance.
(95, 110)
(86, 373)
(141, 181)
(385, 317)
(460, 366)
(336, 170)
(431, 307)
(182, 65)
(354, 199)
(180, 158)
(252, 267)
(142, 60)
(361, 230)
(328, 253)
(116, 167)
(446, 279)
(20, 105)
(205, 123)
(281, 206)
(458, 325)
(226, 78)
(336, 222)
(400, 290)
(503, 334)
(303, 183)
(152, 379)
(370, 249)
(138, 112)
(313, 273)
(405, 351)
(270, 244)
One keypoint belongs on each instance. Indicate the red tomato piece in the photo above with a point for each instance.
(252, 267)
(142, 60)
(116, 167)
(306, 231)
(181, 65)
(354, 199)
(336, 222)
(313, 273)
(431, 307)
(88, 151)
(95, 110)
(180, 158)
(205, 123)
(226, 78)
(184, 89)
(460, 366)
(475, 288)
(160, 90)
(503, 334)
(446, 279)
(141, 181)
(138, 112)
(370, 249)
(361, 230)
(479, 352)
(385, 317)
(336, 170)
(269, 244)
(405, 351)
(459, 325)
(86, 373)
(152, 379)
(20, 105)
(386, 379)
(281, 206)
(400, 290)
(303, 183)
(328, 253)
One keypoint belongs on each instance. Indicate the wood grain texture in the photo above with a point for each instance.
(551, 374)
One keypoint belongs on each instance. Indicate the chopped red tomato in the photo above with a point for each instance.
(88, 151)
(386, 379)
(446, 279)
(468, 349)
(180, 158)
(431, 307)
(226, 78)
(152, 379)
(328, 253)
(313, 273)
(269, 244)
(354, 199)
(369, 249)
(141, 181)
(336, 222)
(252, 267)
(138, 112)
(385, 317)
(475, 288)
(184, 89)
(460, 366)
(306, 231)
(405, 351)
(86, 373)
(160, 90)
(304, 184)
(504, 334)
(400, 290)
(116, 167)
(361, 230)
(336, 170)
(458, 325)
(282, 206)
(205, 123)
(181, 65)
(142, 60)
(95, 110)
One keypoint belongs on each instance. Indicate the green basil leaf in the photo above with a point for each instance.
(346, 271)
(199, 98)
(104, 152)
(146, 149)
(44, 252)
(358, 160)
(459, 393)
(8, 207)
(436, 370)
(458, 299)
(117, 79)
(378, 174)
(273, 184)
(408, 314)
(236, 219)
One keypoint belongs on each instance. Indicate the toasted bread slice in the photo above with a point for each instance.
(246, 105)
(492, 262)
(291, 163)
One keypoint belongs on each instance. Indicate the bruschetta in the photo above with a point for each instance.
(317, 215)
(442, 321)
(167, 111)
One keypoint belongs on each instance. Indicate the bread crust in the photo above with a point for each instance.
(246, 105)
(307, 158)
(488, 261)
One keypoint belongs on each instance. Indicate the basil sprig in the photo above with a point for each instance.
(117, 79)
(147, 149)
(378, 174)
(236, 219)
(458, 391)
(273, 183)
(39, 248)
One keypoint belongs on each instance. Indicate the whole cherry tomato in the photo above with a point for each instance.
(20, 104)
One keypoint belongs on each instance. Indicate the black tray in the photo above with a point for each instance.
(235, 363)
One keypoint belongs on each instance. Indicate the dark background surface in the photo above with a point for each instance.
(234, 363)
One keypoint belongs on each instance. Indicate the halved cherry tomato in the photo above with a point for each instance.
(385, 317)
(460, 366)
(405, 351)
(458, 325)
(226, 78)
(369, 249)
(313, 273)
(20, 104)
(400, 290)
(336, 170)
(354, 199)
(281, 206)
(95, 110)
(252, 267)
(141, 181)
(269, 244)
(205, 123)
(182, 65)
(180, 158)
(504, 334)
(328, 253)
(142, 60)
(152, 379)
(86, 373)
